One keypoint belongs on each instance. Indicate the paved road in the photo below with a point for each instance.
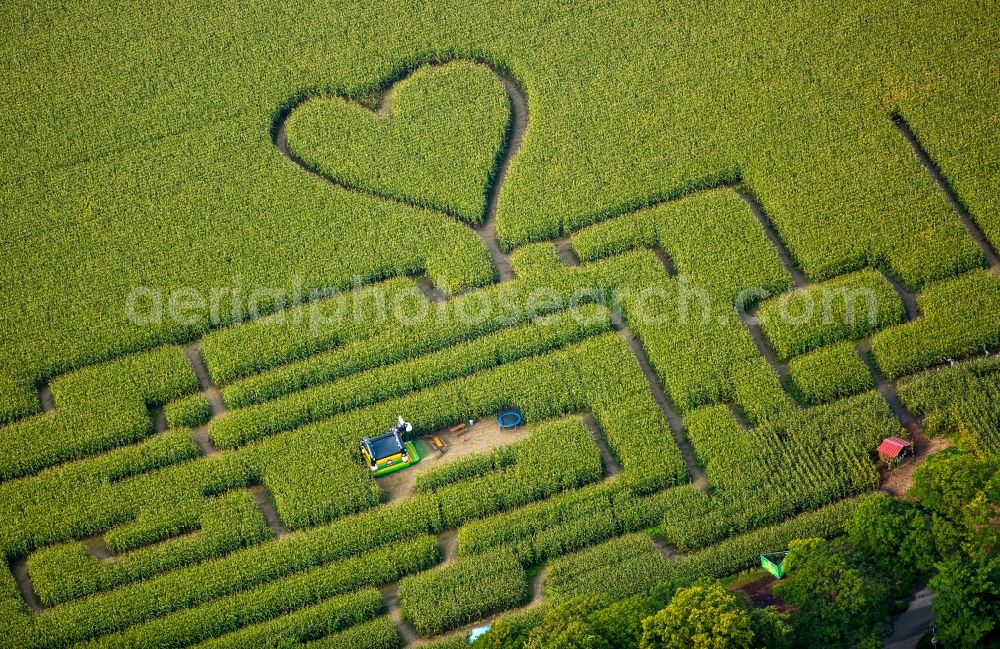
(914, 622)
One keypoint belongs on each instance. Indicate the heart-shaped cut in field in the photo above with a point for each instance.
(434, 142)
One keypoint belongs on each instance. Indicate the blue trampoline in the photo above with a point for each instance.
(509, 419)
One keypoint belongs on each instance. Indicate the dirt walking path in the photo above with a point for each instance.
(263, 499)
(538, 587)
(45, 398)
(611, 464)
(887, 389)
(212, 395)
(698, 477)
(97, 547)
(799, 279)
(390, 597)
(909, 298)
(764, 348)
(667, 550)
(431, 292)
(19, 568)
(569, 257)
(448, 542)
(515, 135)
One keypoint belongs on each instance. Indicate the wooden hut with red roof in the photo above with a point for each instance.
(894, 450)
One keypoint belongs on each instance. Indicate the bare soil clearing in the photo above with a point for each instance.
(761, 593)
(481, 437)
(899, 480)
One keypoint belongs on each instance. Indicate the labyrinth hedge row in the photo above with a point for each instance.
(213, 597)
(850, 307)
(97, 408)
(689, 324)
(380, 633)
(301, 331)
(191, 625)
(60, 573)
(570, 521)
(961, 316)
(190, 412)
(798, 461)
(829, 373)
(115, 502)
(465, 468)
(422, 328)
(241, 426)
(758, 392)
(307, 623)
(469, 589)
(631, 564)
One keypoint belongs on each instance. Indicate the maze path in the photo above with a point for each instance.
(19, 568)
(517, 128)
(612, 466)
(975, 232)
(675, 421)
(886, 388)
(749, 319)
(216, 405)
(799, 279)
(45, 397)
(263, 500)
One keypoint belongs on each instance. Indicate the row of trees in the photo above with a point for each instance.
(839, 593)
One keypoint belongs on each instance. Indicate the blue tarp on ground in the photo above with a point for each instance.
(478, 632)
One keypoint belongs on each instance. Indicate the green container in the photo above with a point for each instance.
(776, 569)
